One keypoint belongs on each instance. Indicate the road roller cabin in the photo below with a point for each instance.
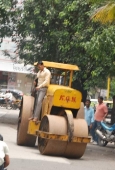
(62, 130)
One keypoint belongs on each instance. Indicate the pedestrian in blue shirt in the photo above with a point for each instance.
(89, 114)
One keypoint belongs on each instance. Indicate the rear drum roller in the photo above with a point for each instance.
(58, 125)
(25, 112)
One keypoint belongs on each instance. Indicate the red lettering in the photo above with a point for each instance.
(68, 98)
(73, 99)
(62, 97)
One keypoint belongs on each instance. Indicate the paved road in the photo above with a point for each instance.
(8, 116)
(95, 157)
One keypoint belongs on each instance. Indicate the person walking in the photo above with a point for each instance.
(8, 98)
(100, 114)
(89, 114)
(44, 77)
(4, 154)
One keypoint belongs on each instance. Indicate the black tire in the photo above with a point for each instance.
(14, 107)
(9, 106)
(102, 142)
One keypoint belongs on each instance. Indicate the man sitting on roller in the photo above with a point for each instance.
(44, 77)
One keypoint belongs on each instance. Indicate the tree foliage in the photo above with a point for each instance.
(62, 31)
(112, 87)
(7, 14)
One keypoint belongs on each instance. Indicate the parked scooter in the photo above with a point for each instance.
(106, 133)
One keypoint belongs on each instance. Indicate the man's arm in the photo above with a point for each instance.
(6, 158)
(92, 117)
(5, 96)
(6, 161)
(105, 111)
(105, 114)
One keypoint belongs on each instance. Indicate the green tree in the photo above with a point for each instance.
(62, 31)
(112, 87)
(6, 17)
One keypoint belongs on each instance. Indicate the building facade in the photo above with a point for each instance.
(12, 74)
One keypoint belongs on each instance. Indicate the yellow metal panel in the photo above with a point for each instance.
(67, 98)
(81, 139)
(108, 87)
(62, 137)
(59, 65)
(33, 127)
(71, 76)
(52, 88)
(45, 106)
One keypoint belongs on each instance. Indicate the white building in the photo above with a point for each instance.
(12, 75)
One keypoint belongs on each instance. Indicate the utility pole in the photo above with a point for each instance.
(108, 87)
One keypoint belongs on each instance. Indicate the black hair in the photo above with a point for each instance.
(100, 97)
(40, 62)
(1, 137)
(87, 100)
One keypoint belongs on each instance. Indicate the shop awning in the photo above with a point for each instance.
(16, 68)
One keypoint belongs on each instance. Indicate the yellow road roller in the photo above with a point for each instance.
(62, 130)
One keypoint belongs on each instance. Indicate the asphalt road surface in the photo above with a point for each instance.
(28, 158)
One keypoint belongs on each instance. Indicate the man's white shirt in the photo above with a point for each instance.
(8, 96)
(44, 78)
(3, 151)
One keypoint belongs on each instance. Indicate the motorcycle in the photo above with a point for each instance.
(3, 102)
(106, 133)
(10, 105)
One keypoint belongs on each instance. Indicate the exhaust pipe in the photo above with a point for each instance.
(100, 134)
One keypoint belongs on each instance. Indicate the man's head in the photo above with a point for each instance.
(40, 65)
(1, 137)
(100, 99)
(87, 103)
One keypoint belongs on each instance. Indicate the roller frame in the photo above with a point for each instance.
(47, 135)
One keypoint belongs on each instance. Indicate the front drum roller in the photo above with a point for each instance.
(58, 125)
(25, 112)
(77, 149)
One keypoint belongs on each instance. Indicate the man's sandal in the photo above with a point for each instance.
(31, 118)
(35, 120)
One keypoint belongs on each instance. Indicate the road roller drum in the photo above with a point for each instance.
(58, 125)
(26, 110)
